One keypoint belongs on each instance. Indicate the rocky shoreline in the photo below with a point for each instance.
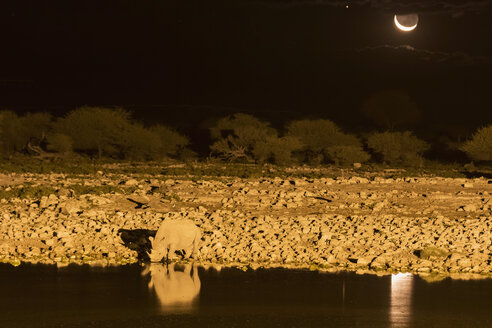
(422, 225)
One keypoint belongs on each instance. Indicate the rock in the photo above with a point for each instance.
(357, 165)
(429, 252)
(467, 185)
(379, 263)
(62, 234)
(64, 192)
(71, 207)
(364, 261)
(464, 263)
(469, 208)
(50, 242)
(43, 203)
(131, 182)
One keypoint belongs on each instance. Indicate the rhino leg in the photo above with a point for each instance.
(187, 252)
(195, 245)
(171, 252)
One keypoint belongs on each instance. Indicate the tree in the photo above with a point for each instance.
(237, 135)
(172, 143)
(59, 143)
(324, 140)
(37, 125)
(13, 134)
(139, 143)
(397, 147)
(346, 154)
(479, 148)
(96, 130)
(276, 150)
(391, 109)
(26, 132)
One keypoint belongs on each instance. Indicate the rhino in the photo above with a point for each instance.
(175, 235)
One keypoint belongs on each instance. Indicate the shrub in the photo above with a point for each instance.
(397, 147)
(479, 148)
(96, 130)
(231, 148)
(17, 131)
(245, 126)
(59, 143)
(138, 143)
(110, 132)
(346, 154)
(237, 135)
(37, 125)
(12, 132)
(172, 143)
(276, 150)
(316, 135)
(323, 139)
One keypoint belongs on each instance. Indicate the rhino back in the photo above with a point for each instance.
(180, 233)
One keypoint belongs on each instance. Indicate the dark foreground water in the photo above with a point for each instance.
(160, 296)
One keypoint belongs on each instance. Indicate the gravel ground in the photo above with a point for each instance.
(423, 225)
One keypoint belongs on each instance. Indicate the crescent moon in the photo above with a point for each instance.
(403, 27)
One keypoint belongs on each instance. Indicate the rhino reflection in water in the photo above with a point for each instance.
(401, 299)
(177, 291)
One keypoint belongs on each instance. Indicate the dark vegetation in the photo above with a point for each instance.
(29, 190)
(88, 138)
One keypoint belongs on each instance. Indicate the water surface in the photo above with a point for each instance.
(184, 296)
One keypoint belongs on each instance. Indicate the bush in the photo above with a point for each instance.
(237, 135)
(12, 133)
(59, 143)
(96, 130)
(138, 143)
(245, 126)
(231, 148)
(17, 131)
(171, 142)
(110, 132)
(397, 147)
(323, 139)
(37, 125)
(479, 148)
(347, 154)
(276, 150)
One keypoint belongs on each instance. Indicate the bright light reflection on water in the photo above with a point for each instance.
(401, 299)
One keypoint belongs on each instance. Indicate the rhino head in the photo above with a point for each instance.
(156, 253)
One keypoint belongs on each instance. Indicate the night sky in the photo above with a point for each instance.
(183, 62)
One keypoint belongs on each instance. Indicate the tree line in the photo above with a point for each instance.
(112, 133)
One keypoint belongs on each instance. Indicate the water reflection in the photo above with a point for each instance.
(401, 299)
(177, 290)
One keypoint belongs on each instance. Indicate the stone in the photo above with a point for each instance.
(50, 242)
(364, 261)
(469, 208)
(71, 207)
(131, 182)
